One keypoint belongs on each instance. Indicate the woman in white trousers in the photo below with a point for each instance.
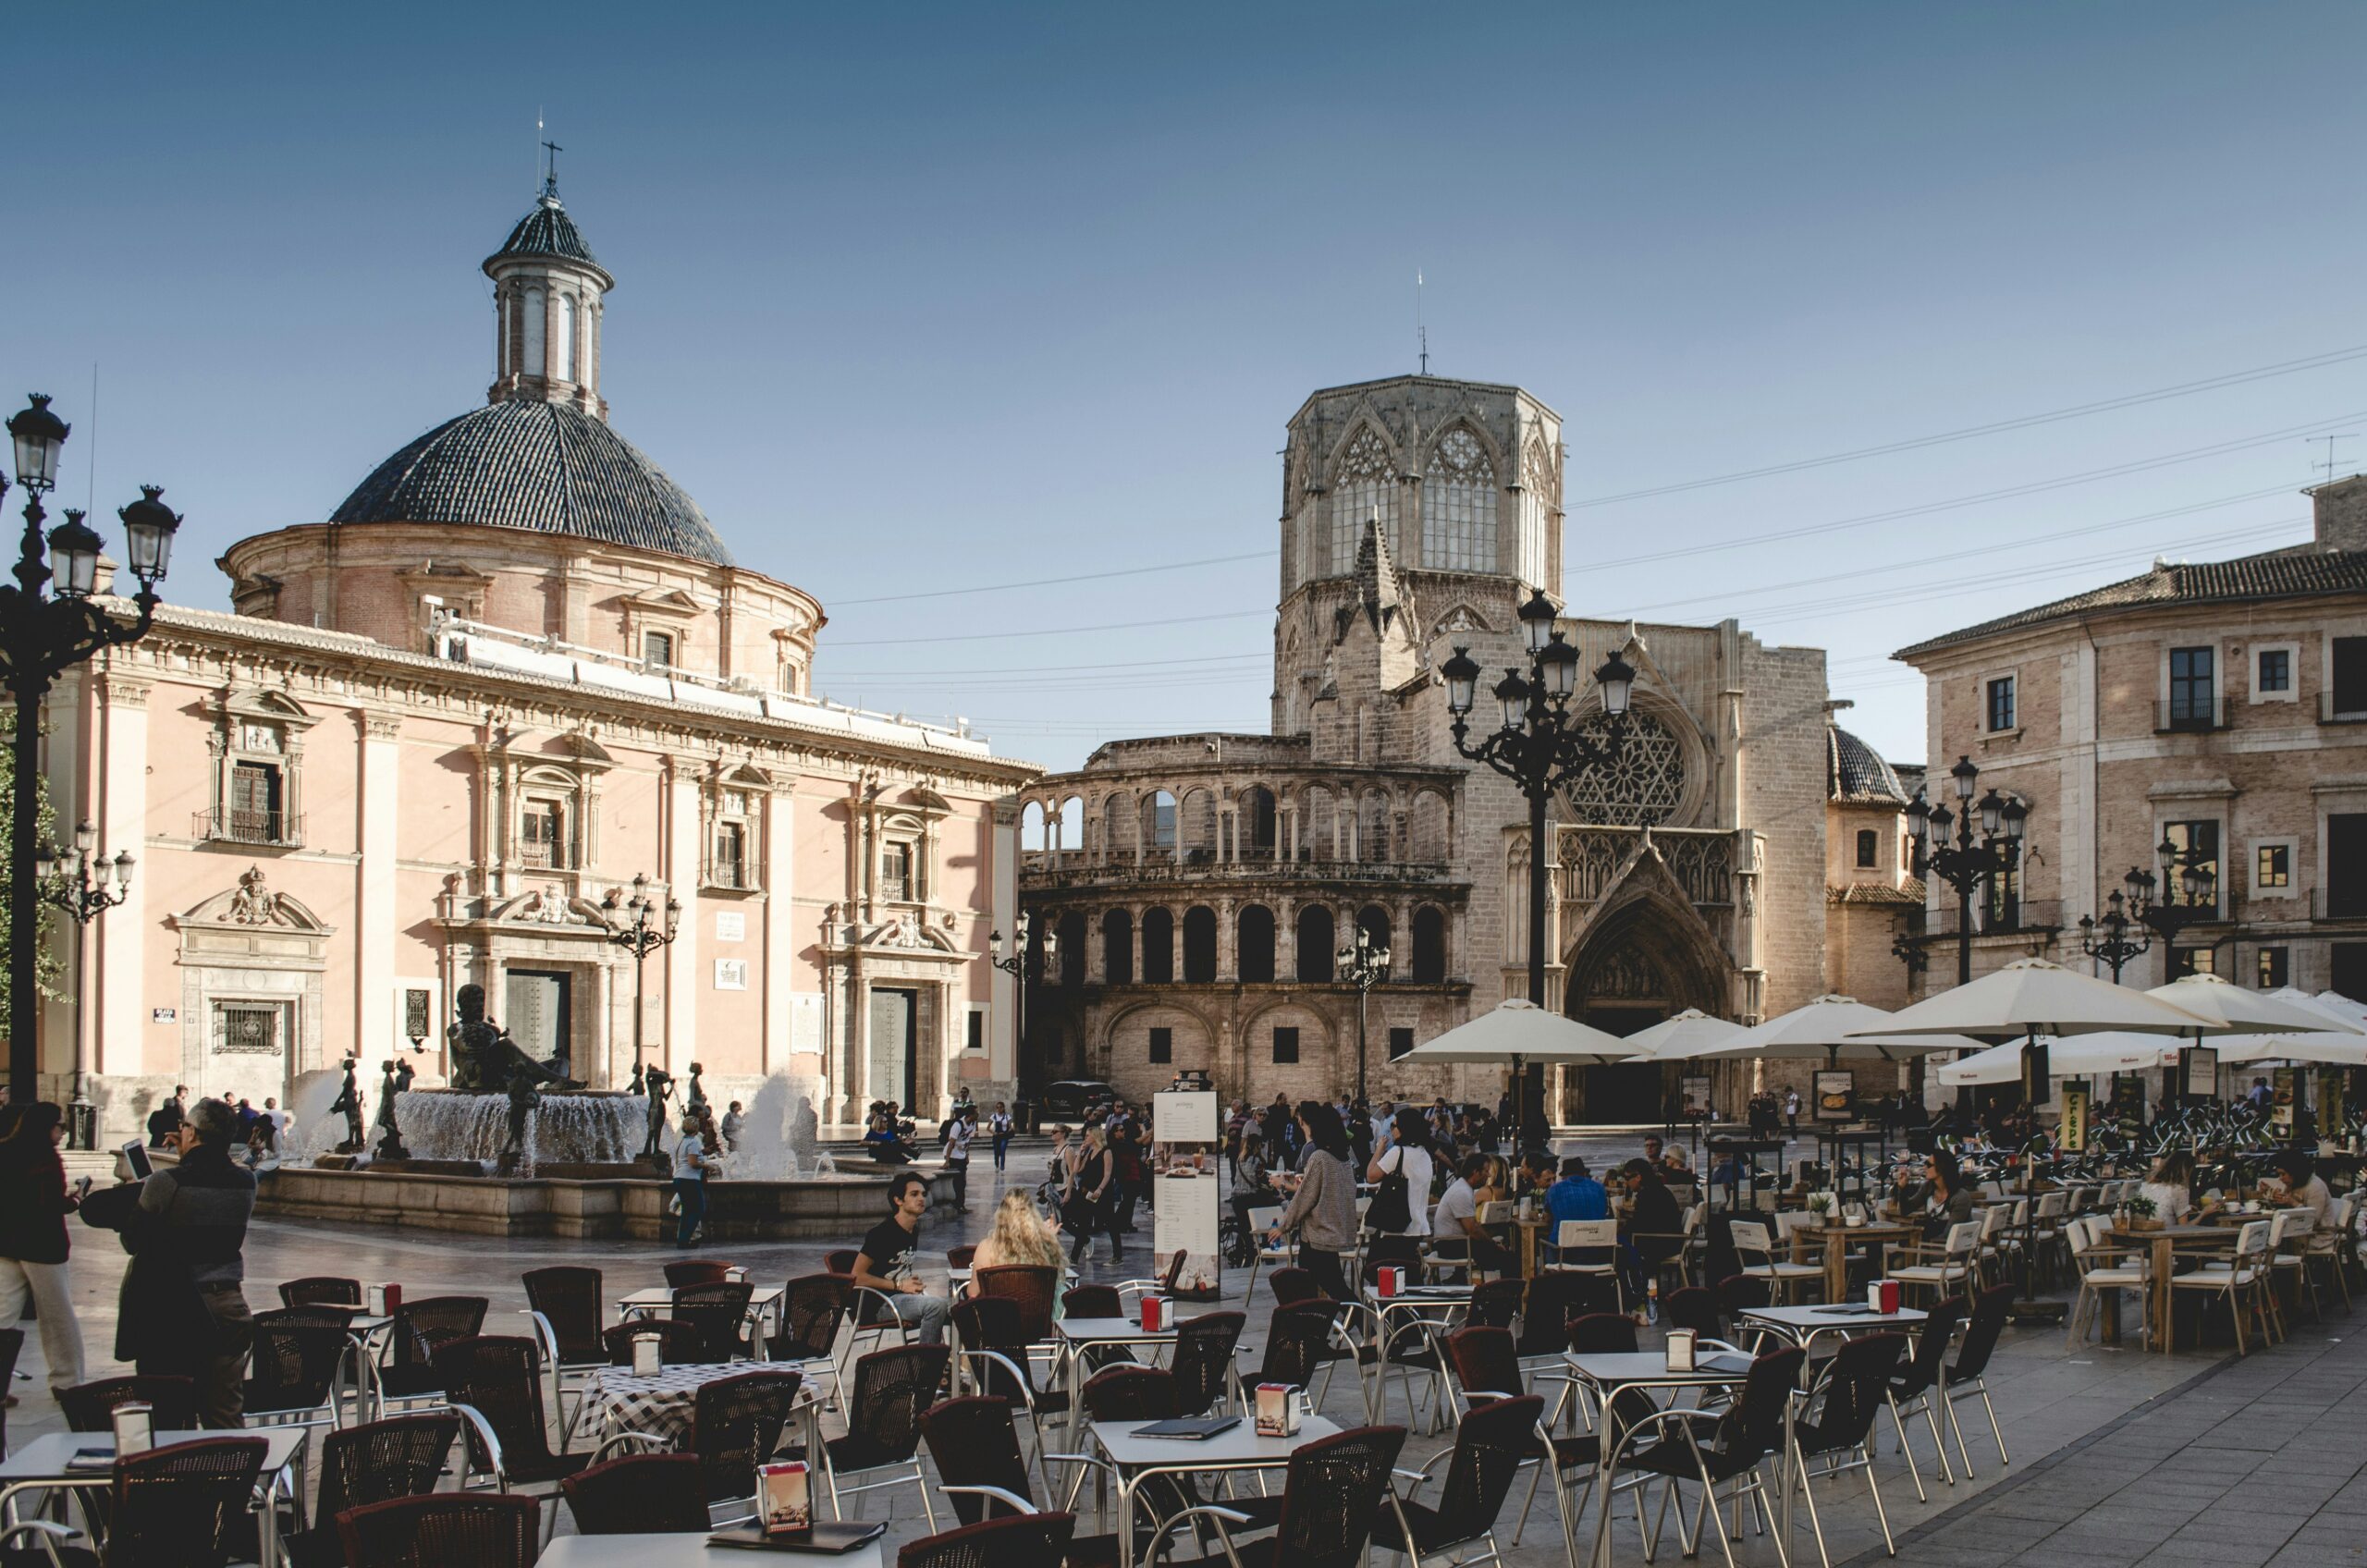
(34, 1203)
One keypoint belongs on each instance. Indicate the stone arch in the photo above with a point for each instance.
(1645, 955)
(1317, 935)
(1118, 947)
(1374, 922)
(1376, 837)
(1257, 823)
(1126, 1044)
(1159, 945)
(1199, 945)
(1156, 824)
(1119, 826)
(1254, 945)
(1035, 832)
(1075, 961)
(1429, 957)
(1195, 826)
(1069, 826)
(1430, 827)
(1319, 823)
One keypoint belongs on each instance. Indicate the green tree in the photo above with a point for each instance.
(45, 829)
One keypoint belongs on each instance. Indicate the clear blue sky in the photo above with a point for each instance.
(917, 298)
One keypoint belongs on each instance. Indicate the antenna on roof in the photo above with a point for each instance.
(2330, 440)
(1421, 330)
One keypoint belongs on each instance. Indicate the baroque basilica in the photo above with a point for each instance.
(1200, 887)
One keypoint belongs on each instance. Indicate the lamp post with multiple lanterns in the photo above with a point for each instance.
(641, 925)
(49, 623)
(1013, 963)
(1363, 965)
(94, 883)
(1968, 864)
(2109, 938)
(1541, 745)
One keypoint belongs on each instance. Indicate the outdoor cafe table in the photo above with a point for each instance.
(1611, 1371)
(617, 1398)
(1836, 1239)
(658, 1301)
(687, 1549)
(1237, 1448)
(1081, 1334)
(1801, 1325)
(2162, 1243)
(40, 1466)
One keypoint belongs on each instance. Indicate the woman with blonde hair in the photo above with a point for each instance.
(1021, 1235)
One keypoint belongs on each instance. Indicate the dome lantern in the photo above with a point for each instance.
(548, 294)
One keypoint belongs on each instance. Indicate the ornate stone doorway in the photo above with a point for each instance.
(1636, 965)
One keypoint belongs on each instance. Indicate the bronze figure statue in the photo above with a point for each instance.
(397, 1080)
(524, 1098)
(485, 1059)
(348, 1102)
(659, 1082)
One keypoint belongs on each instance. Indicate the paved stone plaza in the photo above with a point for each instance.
(2119, 1456)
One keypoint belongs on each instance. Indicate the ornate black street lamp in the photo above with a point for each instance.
(95, 883)
(2109, 938)
(641, 925)
(1969, 864)
(1014, 963)
(48, 624)
(1364, 966)
(1541, 746)
(2190, 885)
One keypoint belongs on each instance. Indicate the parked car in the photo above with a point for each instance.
(1072, 1097)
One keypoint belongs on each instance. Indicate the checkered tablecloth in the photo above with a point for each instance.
(615, 1399)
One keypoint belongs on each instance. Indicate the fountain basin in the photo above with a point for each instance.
(835, 1208)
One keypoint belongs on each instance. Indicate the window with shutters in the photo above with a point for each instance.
(2346, 693)
(254, 804)
(1869, 848)
(896, 873)
(542, 834)
(2193, 688)
(2272, 968)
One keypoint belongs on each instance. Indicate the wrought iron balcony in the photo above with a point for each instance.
(236, 826)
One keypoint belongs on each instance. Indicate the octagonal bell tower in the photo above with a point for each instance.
(547, 302)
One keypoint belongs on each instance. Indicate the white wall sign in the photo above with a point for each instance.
(163, 1015)
(805, 1021)
(731, 974)
(731, 926)
(1185, 1116)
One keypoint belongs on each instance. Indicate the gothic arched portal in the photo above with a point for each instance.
(1638, 963)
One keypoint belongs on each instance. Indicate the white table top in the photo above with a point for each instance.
(688, 1549)
(44, 1459)
(1113, 1330)
(1241, 1447)
(1631, 1369)
(663, 1295)
(1817, 1318)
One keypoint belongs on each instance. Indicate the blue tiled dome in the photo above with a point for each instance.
(547, 231)
(1855, 771)
(545, 467)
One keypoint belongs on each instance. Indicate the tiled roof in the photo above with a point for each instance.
(1855, 771)
(1910, 896)
(547, 231)
(2275, 574)
(545, 467)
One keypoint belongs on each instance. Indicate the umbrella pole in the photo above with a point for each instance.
(2029, 1309)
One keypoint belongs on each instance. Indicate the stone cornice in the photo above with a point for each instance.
(200, 645)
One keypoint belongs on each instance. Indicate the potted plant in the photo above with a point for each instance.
(1821, 1204)
(2141, 1214)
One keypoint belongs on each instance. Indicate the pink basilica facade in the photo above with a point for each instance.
(441, 734)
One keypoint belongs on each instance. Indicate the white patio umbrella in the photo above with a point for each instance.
(2075, 1058)
(2246, 1011)
(1840, 1027)
(1520, 1032)
(2341, 1043)
(2031, 997)
(1688, 1033)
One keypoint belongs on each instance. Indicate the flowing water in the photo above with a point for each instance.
(562, 1130)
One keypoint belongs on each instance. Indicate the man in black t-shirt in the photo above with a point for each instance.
(886, 1262)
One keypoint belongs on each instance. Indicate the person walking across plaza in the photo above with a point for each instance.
(957, 1155)
(690, 1181)
(182, 1312)
(998, 1129)
(1323, 1211)
(887, 1262)
(35, 1202)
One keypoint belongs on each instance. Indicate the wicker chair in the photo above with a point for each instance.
(566, 1303)
(813, 1309)
(1092, 1301)
(1491, 1445)
(401, 1456)
(840, 1261)
(1130, 1394)
(1838, 1423)
(735, 1425)
(298, 1354)
(1696, 1308)
(1728, 1449)
(1027, 1541)
(496, 1384)
(1555, 1297)
(322, 1290)
(1302, 1346)
(421, 1328)
(184, 1506)
(678, 1344)
(719, 1313)
(448, 1529)
(1495, 1304)
(1915, 1388)
(1332, 1497)
(885, 1399)
(1292, 1286)
(696, 1271)
(1203, 1362)
(89, 1406)
(975, 1443)
(961, 1257)
(640, 1494)
(997, 1362)
(1033, 1287)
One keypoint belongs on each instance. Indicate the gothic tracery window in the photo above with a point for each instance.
(1643, 787)
(1364, 483)
(1459, 506)
(1541, 499)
